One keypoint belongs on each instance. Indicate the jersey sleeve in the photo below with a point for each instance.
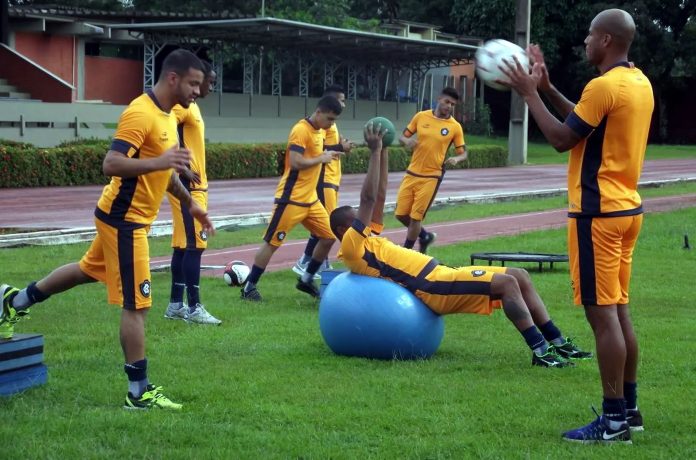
(353, 242)
(458, 140)
(595, 103)
(132, 130)
(412, 127)
(298, 140)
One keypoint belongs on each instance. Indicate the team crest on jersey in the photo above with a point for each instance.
(145, 288)
(477, 273)
(444, 131)
(281, 236)
(204, 235)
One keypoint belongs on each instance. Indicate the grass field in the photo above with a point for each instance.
(543, 153)
(264, 385)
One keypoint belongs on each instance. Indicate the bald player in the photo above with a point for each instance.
(445, 290)
(144, 161)
(607, 133)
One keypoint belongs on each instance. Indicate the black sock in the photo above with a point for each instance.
(137, 377)
(550, 331)
(614, 409)
(408, 244)
(313, 266)
(254, 277)
(423, 233)
(35, 296)
(535, 341)
(192, 273)
(178, 279)
(631, 395)
(309, 248)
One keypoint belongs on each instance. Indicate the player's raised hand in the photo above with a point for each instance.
(347, 145)
(536, 56)
(329, 155)
(519, 77)
(202, 216)
(373, 136)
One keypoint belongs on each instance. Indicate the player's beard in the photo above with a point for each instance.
(183, 98)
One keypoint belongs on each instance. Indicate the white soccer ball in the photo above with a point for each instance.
(236, 273)
(490, 56)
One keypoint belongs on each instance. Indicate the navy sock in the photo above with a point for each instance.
(137, 377)
(192, 273)
(254, 277)
(631, 395)
(535, 341)
(178, 280)
(614, 409)
(423, 233)
(550, 331)
(309, 248)
(313, 266)
(408, 244)
(35, 296)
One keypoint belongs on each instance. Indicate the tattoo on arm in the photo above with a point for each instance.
(177, 189)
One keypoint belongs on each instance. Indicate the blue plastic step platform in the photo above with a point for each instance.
(21, 363)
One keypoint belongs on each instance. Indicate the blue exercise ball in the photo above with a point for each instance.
(375, 318)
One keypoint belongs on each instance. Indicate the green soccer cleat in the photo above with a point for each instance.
(550, 359)
(151, 399)
(8, 315)
(571, 351)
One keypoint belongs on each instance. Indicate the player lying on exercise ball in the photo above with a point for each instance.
(444, 289)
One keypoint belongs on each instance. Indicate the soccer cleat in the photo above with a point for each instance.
(310, 288)
(176, 312)
(634, 419)
(8, 315)
(550, 359)
(252, 296)
(151, 399)
(300, 267)
(571, 351)
(600, 431)
(424, 243)
(201, 316)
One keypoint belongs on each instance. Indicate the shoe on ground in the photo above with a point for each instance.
(252, 296)
(300, 267)
(635, 420)
(151, 399)
(424, 243)
(175, 312)
(8, 315)
(201, 316)
(550, 359)
(310, 288)
(571, 351)
(600, 431)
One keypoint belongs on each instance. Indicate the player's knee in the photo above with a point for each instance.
(503, 285)
(522, 277)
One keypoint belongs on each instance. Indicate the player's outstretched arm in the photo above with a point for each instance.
(378, 211)
(557, 100)
(299, 162)
(368, 193)
(120, 165)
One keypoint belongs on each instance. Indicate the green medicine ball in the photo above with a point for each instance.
(387, 126)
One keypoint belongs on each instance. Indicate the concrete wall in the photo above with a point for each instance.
(113, 80)
(56, 53)
(25, 75)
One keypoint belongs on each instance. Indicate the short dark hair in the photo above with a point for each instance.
(180, 61)
(207, 68)
(329, 104)
(451, 92)
(332, 90)
(339, 217)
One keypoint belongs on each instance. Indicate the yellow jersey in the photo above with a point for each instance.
(613, 118)
(331, 173)
(144, 131)
(299, 187)
(191, 129)
(435, 135)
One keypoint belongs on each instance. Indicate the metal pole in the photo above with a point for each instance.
(517, 143)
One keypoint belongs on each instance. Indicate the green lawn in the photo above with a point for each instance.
(543, 153)
(264, 385)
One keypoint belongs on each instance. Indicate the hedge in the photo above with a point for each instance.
(23, 165)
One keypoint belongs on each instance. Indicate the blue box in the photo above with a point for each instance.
(326, 277)
(23, 378)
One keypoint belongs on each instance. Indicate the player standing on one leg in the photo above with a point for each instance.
(329, 178)
(189, 240)
(607, 132)
(143, 165)
(434, 130)
(296, 199)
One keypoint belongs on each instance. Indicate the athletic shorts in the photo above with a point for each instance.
(120, 258)
(448, 290)
(188, 232)
(328, 195)
(285, 216)
(415, 196)
(600, 250)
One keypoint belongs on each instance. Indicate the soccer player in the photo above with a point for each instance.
(445, 290)
(329, 179)
(143, 162)
(189, 240)
(296, 199)
(607, 133)
(429, 135)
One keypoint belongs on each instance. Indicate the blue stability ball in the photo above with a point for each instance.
(375, 318)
